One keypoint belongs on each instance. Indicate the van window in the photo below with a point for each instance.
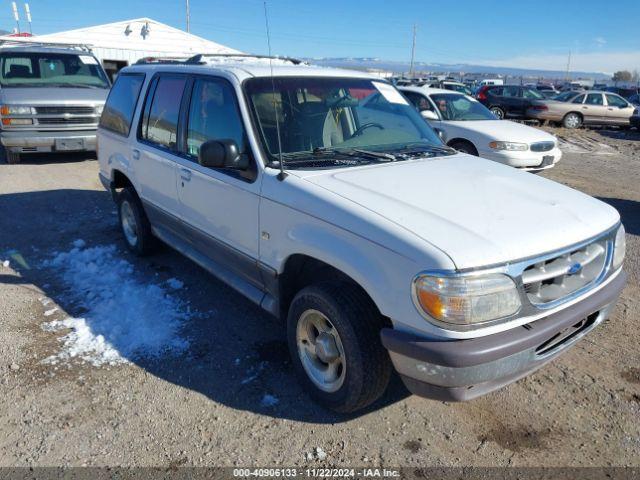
(161, 124)
(121, 104)
(213, 115)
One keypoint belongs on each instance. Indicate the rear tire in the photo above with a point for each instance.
(498, 112)
(333, 332)
(134, 223)
(464, 147)
(572, 120)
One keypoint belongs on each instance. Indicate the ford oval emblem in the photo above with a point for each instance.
(575, 268)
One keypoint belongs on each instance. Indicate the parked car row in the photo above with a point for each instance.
(572, 109)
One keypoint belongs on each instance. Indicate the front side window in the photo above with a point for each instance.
(594, 99)
(532, 94)
(121, 104)
(419, 101)
(160, 125)
(616, 101)
(213, 115)
(321, 114)
(51, 70)
(458, 108)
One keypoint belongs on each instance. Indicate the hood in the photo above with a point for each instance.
(477, 211)
(53, 95)
(504, 130)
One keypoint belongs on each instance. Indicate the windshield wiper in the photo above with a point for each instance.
(356, 152)
(416, 148)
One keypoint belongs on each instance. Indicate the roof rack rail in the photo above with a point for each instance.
(199, 59)
(23, 42)
(162, 60)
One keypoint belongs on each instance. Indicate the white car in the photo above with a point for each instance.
(324, 197)
(469, 127)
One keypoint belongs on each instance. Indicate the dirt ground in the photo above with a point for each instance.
(197, 410)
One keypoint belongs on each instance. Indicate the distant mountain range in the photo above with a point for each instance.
(403, 67)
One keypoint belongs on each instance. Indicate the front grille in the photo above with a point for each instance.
(565, 336)
(62, 109)
(542, 146)
(558, 277)
(67, 121)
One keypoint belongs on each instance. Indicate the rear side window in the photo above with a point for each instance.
(594, 99)
(118, 111)
(616, 101)
(160, 124)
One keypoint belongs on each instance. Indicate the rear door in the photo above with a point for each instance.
(618, 109)
(593, 108)
(155, 155)
(513, 101)
(219, 207)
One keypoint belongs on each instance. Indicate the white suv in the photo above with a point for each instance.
(324, 197)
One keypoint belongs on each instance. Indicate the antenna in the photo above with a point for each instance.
(413, 51)
(15, 15)
(282, 175)
(28, 12)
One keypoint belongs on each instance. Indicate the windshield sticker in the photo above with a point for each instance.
(390, 93)
(88, 60)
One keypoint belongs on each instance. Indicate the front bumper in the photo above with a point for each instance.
(29, 141)
(524, 160)
(460, 370)
(635, 121)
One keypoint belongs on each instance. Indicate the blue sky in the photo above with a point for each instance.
(530, 34)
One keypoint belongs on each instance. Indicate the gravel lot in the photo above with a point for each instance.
(207, 407)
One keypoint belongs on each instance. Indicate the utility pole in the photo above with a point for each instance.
(569, 66)
(188, 18)
(413, 51)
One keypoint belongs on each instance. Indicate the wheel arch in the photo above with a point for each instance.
(462, 140)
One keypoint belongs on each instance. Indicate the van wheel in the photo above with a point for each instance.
(572, 120)
(464, 147)
(498, 112)
(333, 332)
(134, 223)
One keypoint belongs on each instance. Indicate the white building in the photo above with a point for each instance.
(123, 43)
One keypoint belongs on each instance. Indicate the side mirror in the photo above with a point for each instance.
(222, 154)
(429, 115)
(441, 134)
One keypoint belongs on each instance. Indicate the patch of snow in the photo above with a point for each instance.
(269, 400)
(6, 263)
(320, 454)
(48, 313)
(125, 317)
(79, 243)
(175, 284)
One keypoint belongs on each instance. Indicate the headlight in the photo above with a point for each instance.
(16, 110)
(510, 146)
(466, 299)
(619, 248)
(99, 109)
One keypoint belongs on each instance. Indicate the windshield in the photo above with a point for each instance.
(317, 115)
(22, 69)
(457, 108)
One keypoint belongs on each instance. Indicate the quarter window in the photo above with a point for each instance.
(161, 124)
(118, 111)
(214, 115)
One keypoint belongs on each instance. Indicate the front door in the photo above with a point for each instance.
(219, 207)
(618, 110)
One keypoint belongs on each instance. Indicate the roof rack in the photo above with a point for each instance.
(162, 60)
(23, 42)
(199, 59)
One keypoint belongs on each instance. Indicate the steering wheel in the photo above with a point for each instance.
(363, 127)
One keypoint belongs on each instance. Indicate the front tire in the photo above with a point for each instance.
(572, 120)
(134, 223)
(464, 147)
(333, 332)
(498, 112)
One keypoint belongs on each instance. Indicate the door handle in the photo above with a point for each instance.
(136, 154)
(185, 174)
(585, 108)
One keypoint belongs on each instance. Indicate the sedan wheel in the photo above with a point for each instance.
(498, 112)
(572, 120)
